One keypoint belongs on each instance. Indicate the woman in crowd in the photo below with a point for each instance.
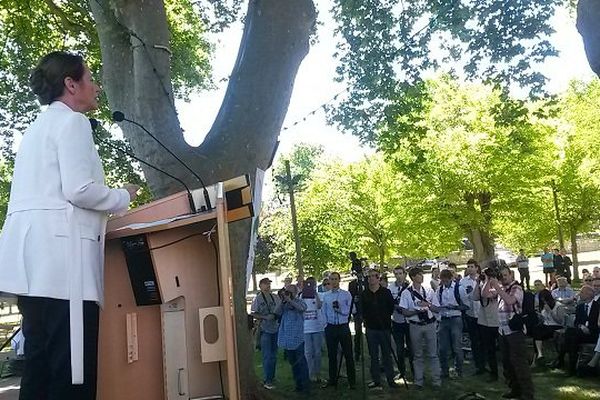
(551, 317)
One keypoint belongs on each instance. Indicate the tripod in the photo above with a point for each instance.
(360, 287)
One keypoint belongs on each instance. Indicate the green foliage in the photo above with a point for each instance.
(386, 45)
(303, 159)
(578, 181)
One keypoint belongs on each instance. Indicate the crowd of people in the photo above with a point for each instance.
(409, 325)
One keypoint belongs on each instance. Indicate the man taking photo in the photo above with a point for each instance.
(512, 339)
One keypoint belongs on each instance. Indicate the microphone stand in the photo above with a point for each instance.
(94, 124)
(118, 116)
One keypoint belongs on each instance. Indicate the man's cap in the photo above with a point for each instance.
(264, 280)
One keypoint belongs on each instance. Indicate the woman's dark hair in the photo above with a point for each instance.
(546, 298)
(47, 80)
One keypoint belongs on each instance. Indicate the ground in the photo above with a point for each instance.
(549, 385)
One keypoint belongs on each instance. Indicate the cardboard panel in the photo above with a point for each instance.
(213, 343)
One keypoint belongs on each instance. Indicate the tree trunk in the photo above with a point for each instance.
(381, 256)
(588, 24)
(574, 253)
(136, 79)
(482, 240)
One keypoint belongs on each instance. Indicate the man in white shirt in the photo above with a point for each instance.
(336, 310)
(400, 327)
(451, 326)
(419, 306)
(468, 284)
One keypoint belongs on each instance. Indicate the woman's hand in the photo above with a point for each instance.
(132, 190)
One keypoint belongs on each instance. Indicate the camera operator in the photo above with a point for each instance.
(400, 326)
(291, 334)
(378, 306)
(336, 310)
(418, 305)
(263, 309)
(487, 320)
(514, 349)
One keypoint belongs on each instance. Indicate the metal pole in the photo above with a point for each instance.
(290, 187)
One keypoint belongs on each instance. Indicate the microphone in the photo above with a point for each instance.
(94, 123)
(118, 116)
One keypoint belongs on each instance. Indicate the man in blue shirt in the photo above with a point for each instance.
(291, 335)
(336, 310)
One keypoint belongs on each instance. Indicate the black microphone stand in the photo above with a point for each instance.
(95, 124)
(118, 116)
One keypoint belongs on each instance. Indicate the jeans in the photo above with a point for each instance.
(450, 341)
(516, 366)
(336, 335)
(400, 332)
(476, 344)
(299, 366)
(489, 338)
(313, 343)
(268, 345)
(425, 336)
(380, 340)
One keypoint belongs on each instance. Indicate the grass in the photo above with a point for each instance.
(549, 385)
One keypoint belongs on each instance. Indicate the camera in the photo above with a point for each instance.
(283, 293)
(423, 316)
(491, 272)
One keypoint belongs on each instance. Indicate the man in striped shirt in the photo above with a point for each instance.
(514, 349)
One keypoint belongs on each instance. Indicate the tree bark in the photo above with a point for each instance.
(136, 79)
(574, 253)
(588, 24)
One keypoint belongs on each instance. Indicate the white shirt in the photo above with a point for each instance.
(445, 296)
(313, 316)
(474, 305)
(397, 316)
(409, 303)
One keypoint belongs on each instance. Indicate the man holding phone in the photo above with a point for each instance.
(336, 310)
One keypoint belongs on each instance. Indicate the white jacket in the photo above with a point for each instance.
(52, 242)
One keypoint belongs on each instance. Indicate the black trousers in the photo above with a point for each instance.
(573, 338)
(515, 363)
(489, 336)
(339, 335)
(47, 373)
(476, 345)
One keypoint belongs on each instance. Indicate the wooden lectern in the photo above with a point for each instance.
(167, 329)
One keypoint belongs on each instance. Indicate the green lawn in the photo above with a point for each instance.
(549, 385)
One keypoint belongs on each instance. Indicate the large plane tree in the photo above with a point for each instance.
(150, 52)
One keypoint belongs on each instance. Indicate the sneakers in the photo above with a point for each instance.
(374, 386)
(393, 385)
(269, 386)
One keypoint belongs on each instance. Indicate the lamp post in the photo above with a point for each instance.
(290, 183)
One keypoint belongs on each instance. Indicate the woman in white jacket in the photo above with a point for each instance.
(52, 242)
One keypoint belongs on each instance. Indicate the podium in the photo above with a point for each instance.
(167, 328)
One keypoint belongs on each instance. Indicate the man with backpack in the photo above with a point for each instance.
(263, 309)
(512, 339)
(419, 306)
(452, 298)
